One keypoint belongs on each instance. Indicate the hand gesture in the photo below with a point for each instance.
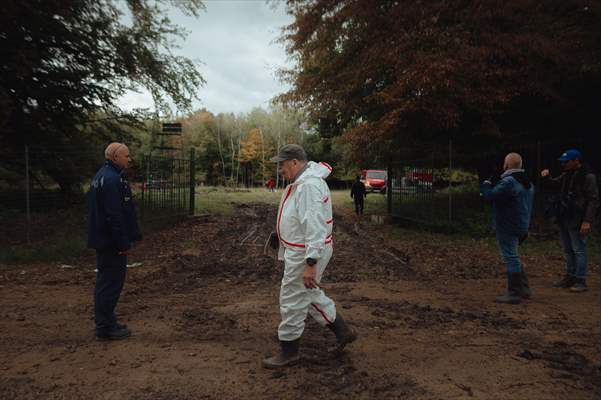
(309, 276)
(544, 173)
(585, 228)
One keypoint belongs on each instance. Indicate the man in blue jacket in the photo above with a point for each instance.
(113, 227)
(512, 199)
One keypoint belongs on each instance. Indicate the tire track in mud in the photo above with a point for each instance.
(422, 316)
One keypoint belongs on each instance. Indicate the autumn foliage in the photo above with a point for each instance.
(389, 72)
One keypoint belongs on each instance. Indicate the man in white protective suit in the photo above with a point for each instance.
(304, 237)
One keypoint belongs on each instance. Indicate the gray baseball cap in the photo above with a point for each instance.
(290, 152)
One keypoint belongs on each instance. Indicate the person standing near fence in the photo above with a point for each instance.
(304, 234)
(512, 199)
(358, 194)
(575, 211)
(113, 227)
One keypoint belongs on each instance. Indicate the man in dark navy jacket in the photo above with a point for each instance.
(512, 199)
(113, 227)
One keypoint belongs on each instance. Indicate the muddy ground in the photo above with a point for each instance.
(203, 309)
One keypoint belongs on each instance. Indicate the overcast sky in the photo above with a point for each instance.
(235, 42)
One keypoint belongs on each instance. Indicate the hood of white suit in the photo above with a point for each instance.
(315, 170)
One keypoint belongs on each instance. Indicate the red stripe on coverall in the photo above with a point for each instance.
(322, 313)
(328, 241)
(281, 210)
(292, 244)
(326, 165)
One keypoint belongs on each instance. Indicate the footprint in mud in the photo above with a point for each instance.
(425, 316)
(575, 365)
(207, 324)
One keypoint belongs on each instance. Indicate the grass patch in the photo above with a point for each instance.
(375, 203)
(223, 201)
(59, 235)
(61, 247)
(472, 222)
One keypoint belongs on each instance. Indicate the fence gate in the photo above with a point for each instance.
(412, 194)
(165, 186)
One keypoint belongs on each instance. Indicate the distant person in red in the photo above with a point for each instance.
(271, 185)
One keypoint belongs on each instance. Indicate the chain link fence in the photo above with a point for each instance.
(441, 191)
(43, 219)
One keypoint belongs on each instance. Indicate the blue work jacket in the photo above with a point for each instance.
(112, 223)
(512, 199)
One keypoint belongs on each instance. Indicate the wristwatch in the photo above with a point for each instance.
(311, 261)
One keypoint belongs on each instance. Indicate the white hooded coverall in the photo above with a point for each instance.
(304, 227)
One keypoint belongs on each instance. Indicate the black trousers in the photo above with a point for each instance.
(359, 205)
(112, 268)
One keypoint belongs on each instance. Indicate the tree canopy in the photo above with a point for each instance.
(65, 64)
(384, 72)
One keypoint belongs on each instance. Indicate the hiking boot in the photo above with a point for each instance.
(514, 290)
(579, 286)
(116, 333)
(288, 355)
(344, 333)
(526, 292)
(565, 282)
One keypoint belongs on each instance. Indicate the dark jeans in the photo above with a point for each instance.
(359, 205)
(574, 247)
(110, 278)
(508, 244)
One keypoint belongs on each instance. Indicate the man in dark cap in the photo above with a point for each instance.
(113, 227)
(304, 232)
(575, 211)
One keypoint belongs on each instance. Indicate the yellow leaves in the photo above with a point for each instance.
(252, 146)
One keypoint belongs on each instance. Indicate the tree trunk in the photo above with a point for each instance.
(262, 157)
(233, 156)
(221, 152)
(238, 164)
(279, 144)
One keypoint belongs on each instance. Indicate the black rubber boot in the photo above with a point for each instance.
(579, 285)
(526, 292)
(287, 356)
(344, 333)
(514, 290)
(565, 282)
(118, 332)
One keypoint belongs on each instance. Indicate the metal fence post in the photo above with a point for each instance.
(192, 180)
(27, 194)
(143, 190)
(450, 182)
(538, 194)
(389, 186)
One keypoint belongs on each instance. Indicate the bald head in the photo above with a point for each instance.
(512, 161)
(118, 153)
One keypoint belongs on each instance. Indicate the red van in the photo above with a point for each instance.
(374, 180)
